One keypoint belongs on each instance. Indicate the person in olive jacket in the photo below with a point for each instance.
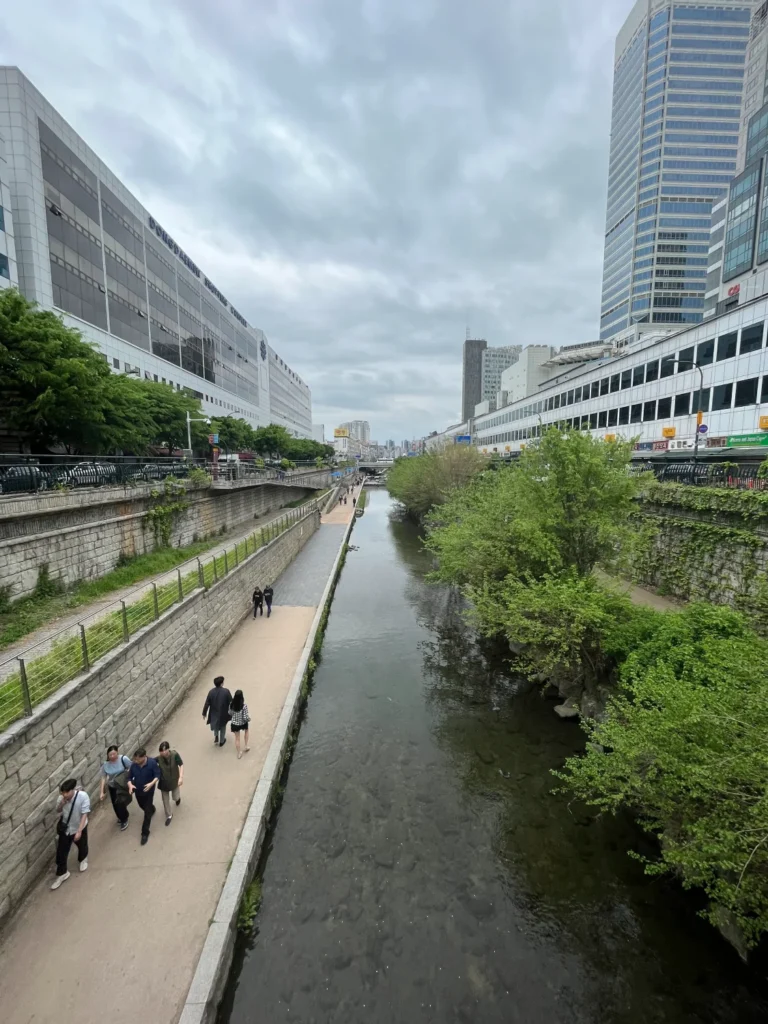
(171, 778)
(216, 708)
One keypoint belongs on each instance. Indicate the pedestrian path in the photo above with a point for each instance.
(121, 942)
(638, 595)
(45, 635)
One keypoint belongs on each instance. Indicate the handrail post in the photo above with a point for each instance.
(126, 634)
(154, 601)
(215, 573)
(84, 646)
(181, 585)
(236, 559)
(200, 573)
(226, 562)
(25, 688)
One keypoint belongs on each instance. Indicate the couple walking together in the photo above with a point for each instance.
(221, 707)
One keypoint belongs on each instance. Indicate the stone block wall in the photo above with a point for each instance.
(123, 699)
(80, 540)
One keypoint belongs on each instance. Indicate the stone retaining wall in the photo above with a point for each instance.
(123, 699)
(85, 540)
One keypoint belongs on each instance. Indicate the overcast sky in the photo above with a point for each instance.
(363, 179)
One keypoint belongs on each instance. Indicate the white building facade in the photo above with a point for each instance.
(494, 361)
(89, 250)
(8, 271)
(651, 392)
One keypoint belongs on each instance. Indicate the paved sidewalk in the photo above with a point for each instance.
(121, 942)
(45, 635)
(640, 595)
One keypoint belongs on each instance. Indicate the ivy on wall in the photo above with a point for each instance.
(165, 507)
(705, 543)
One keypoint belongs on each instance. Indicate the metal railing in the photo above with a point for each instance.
(712, 474)
(44, 667)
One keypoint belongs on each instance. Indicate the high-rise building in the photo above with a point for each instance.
(472, 376)
(494, 361)
(87, 249)
(359, 429)
(678, 80)
(744, 186)
(8, 272)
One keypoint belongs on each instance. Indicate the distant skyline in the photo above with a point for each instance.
(363, 181)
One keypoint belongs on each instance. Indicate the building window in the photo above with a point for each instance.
(626, 379)
(652, 371)
(638, 376)
(2, 219)
(636, 413)
(116, 363)
(613, 416)
(594, 390)
(614, 383)
(726, 346)
(4, 268)
(683, 404)
(705, 352)
(604, 386)
(624, 414)
(667, 366)
(577, 395)
(685, 359)
(664, 410)
(721, 397)
(764, 398)
(593, 421)
(746, 392)
(649, 412)
(602, 419)
(569, 398)
(751, 339)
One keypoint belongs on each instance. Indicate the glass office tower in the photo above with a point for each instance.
(678, 81)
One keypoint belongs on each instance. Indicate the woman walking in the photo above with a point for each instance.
(240, 718)
(171, 778)
(114, 777)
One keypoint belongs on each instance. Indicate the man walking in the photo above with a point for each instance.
(74, 807)
(143, 779)
(171, 778)
(216, 707)
(268, 595)
(257, 598)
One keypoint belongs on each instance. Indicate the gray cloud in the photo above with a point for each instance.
(363, 178)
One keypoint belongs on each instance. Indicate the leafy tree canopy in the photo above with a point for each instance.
(424, 481)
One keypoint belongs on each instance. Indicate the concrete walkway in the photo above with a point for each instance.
(639, 595)
(43, 637)
(121, 942)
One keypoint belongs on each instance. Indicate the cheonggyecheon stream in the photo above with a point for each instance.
(421, 870)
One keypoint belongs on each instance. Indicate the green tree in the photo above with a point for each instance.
(682, 744)
(235, 434)
(273, 440)
(167, 410)
(53, 383)
(422, 482)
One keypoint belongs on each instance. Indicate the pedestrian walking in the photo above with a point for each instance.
(345, 499)
(238, 712)
(114, 777)
(268, 595)
(257, 599)
(216, 707)
(171, 778)
(143, 779)
(73, 807)
(354, 501)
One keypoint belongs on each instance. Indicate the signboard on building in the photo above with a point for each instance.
(462, 439)
(716, 442)
(213, 439)
(644, 446)
(764, 422)
(609, 437)
(668, 431)
(748, 441)
(660, 446)
(341, 432)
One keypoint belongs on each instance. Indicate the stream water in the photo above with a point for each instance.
(422, 870)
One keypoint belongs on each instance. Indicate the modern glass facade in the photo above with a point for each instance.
(678, 82)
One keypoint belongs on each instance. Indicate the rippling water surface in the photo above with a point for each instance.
(421, 869)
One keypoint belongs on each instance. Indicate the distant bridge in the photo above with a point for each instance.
(376, 465)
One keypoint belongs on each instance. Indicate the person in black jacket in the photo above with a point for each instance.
(268, 595)
(216, 707)
(257, 598)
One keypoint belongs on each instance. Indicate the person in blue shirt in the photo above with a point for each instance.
(143, 779)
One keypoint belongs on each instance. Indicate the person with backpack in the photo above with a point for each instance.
(238, 713)
(73, 808)
(268, 595)
(171, 778)
(114, 777)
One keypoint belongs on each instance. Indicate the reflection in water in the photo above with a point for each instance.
(422, 870)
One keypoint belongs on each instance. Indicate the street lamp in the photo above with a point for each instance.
(693, 363)
(190, 421)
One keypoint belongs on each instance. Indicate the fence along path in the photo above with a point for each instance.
(31, 672)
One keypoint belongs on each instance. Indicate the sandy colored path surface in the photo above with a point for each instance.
(121, 941)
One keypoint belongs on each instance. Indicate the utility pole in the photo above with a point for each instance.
(699, 414)
(190, 421)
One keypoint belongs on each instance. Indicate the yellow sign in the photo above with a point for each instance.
(508, 449)
(764, 422)
(341, 432)
(668, 431)
(609, 437)
(699, 418)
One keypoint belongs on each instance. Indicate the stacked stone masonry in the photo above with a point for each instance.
(84, 535)
(123, 699)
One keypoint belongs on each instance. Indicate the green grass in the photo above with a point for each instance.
(362, 499)
(249, 907)
(29, 613)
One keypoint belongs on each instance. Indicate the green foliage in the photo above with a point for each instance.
(683, 744)
(712, 502)
(46, 585)
(198, 477)
(564, 505)
(166, 506)
(362, 499)
(424, 481)
(249, 907)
